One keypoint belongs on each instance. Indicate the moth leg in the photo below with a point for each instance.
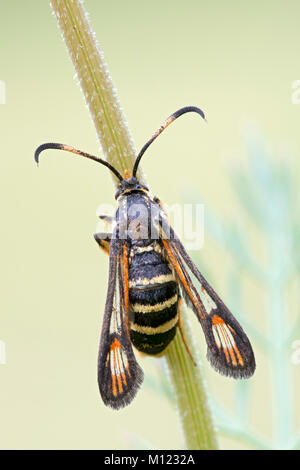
(103, 239)
(182, 335)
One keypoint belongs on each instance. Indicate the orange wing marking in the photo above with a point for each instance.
(224, 338)
(117, 369)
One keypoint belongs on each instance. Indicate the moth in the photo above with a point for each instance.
(150, 274)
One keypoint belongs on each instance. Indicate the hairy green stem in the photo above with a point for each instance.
(100, 95)
(119, 150)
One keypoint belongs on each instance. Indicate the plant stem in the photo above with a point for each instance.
(189, 389)
(119, 150)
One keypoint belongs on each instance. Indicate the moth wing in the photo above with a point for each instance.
(228, 348)
(119, 375)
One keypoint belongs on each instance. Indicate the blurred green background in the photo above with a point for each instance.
(237, 61)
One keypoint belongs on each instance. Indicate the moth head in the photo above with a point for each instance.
(129, 186)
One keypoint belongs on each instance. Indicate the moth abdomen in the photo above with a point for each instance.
(153, 296)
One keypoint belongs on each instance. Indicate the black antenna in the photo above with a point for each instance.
(67, 148)
(169, 120)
